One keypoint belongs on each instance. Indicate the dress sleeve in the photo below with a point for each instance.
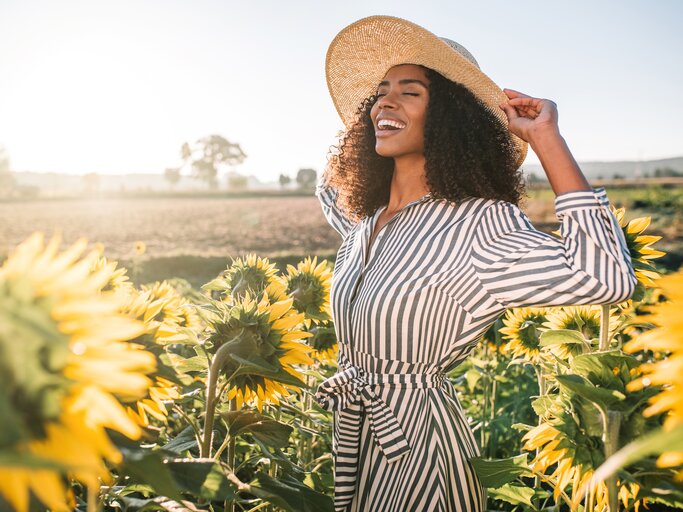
(519, 266)
(327, 196)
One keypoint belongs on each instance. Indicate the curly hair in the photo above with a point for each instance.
(468, 153)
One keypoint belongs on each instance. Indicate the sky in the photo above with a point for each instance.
(117, 87)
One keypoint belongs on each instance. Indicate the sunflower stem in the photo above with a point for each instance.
(604, 328)
(541, 391)
(92, 498)
(214, 372)
(308, 443)
(232, 405)
(611, 442)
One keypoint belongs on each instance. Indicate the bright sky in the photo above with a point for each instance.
(118, 86)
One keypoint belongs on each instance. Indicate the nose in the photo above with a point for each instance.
(386, 101)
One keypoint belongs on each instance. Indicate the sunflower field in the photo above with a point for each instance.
(162, 396)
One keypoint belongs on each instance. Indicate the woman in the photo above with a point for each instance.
(424, 190)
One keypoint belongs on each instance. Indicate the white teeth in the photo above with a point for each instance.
(390, 122)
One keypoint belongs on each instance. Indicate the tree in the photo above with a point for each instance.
(306, 178)
(284, 180)
(6, 178)
(666, 172)
(236, 181)
(172, 175)
(209, 154)
(91, 181)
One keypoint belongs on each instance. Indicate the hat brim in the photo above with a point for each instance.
(362, 53)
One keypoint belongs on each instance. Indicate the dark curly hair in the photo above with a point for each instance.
(468, 153)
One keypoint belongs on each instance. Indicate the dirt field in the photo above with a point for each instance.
(170, 227)
(194, 237)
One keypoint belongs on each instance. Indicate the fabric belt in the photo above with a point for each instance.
(350, 392)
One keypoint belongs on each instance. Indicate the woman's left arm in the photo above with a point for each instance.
(535, 120)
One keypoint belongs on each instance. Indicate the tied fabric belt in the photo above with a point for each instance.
(349, 392)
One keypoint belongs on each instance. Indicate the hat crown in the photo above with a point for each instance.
(461, 50)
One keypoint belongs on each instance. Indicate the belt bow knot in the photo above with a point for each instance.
(352, 387)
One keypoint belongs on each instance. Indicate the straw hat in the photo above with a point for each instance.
(362, 53)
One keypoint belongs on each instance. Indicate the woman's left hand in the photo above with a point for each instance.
(529, 117)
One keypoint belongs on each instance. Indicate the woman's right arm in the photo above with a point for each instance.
(338, 219)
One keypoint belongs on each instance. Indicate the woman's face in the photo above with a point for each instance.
(399, 113)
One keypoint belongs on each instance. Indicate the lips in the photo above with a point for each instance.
(387, 126)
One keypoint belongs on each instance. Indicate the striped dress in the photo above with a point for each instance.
(413, 306)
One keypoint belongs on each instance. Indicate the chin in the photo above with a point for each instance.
(388, 151)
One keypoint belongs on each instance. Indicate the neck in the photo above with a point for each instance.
(408, 182)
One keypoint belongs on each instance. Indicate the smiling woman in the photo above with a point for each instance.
(424, 190)
(438, 125)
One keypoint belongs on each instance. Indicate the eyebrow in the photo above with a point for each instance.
(404, 82)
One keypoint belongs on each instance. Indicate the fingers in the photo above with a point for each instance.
(511, 93)
(528, 101)
(509, 110)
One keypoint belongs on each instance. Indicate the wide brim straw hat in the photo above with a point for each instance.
(362, 53)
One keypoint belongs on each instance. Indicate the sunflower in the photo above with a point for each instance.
(162, 309)
(666, 338)
(639, 246)
(584, 319)
(559, 446)
(164, 313)
(66, 364)
(309, 285)
(251, 274)
(324, 343)
(522, 331)
(162, 392)
(118, 281)
(140, 248)
(263, 342)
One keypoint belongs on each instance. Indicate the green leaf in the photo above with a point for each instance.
(184, 441)
(606, 398)
(561, 337)
(149, 468)
(270, 432)
(254, 366)
(472, 377)
(498, 472)
(654, 443)
(514, 494)
(202, 478)
(290, 494)
(185, 364)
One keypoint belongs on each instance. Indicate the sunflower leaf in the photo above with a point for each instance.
(202, 478)
(149, 468)
(655, 442)
(290, 494)
(561, 337)
(257, 366)
(606, 398)
(498, 472)
(514, 494)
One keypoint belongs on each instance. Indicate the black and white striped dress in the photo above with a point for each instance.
(414, 305)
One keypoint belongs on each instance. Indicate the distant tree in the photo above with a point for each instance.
(306, 178)
(237, 181)
(284, 180)
(172, 175)
(209, 154)
(6, 177)
(666, 172)
(617, 176)
(4, 160)
(91, 182)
